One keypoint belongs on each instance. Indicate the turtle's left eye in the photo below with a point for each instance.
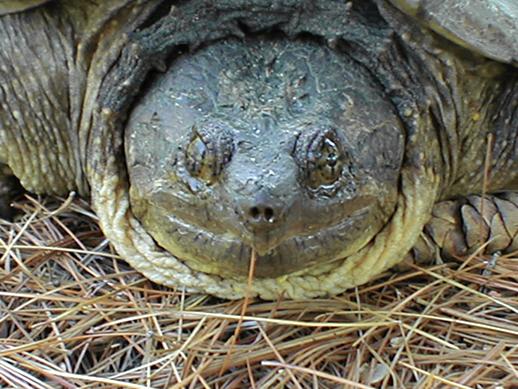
(208, 151)
(324, 162)
(321, 156)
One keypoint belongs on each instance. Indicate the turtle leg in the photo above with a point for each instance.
(461, 227)
(9, 187)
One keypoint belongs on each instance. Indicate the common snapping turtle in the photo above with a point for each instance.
(317, 137)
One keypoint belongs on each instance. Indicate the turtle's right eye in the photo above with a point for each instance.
(209, 150)
(325, 161)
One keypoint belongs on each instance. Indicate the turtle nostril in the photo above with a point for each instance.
(262, 214)
(254, 212)
(269, 214)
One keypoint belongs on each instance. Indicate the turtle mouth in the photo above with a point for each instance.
(229, 254)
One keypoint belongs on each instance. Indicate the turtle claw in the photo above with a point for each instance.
(474, 224)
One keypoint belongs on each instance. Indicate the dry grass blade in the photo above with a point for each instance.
(330, 377)
(436, 378)
(73, 315)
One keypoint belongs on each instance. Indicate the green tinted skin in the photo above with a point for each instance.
(268, 145)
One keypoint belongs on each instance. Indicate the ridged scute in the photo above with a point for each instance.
(487, 27)
(13, 6)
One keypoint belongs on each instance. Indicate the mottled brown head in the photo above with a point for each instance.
(285, 147)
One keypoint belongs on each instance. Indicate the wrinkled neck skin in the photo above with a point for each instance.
(52, 62)
(472, 104)
(371, 49)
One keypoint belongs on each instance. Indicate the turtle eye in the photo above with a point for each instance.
(324, 162)
(199, 161)
(323, 158)
(208, 151)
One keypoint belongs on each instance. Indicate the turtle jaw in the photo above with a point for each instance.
(264, 243)
(111, 201)
(278, 253)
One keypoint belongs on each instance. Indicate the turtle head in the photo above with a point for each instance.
(284, 147)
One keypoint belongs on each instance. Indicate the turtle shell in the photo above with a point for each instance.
(487, 27)
(12, 6)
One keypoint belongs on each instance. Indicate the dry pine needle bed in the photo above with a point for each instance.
(73, 315)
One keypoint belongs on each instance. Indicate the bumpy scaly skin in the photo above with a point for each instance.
(462, 227)
(52, 60)
(37, 135)
(63, 114)
(474, 224)
(471, 95)
(237, 157)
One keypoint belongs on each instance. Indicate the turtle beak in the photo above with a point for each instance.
(264, 222)
(264, 243)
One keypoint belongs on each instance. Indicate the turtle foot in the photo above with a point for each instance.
(474, 224)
